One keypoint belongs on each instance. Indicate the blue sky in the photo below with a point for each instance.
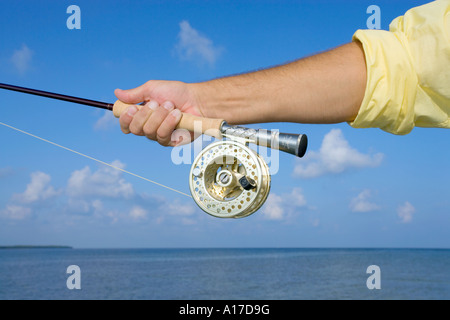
(355, 188)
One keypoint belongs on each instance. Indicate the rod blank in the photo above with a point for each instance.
(87, 102)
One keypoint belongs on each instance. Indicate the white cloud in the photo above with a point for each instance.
(335, 156)
(106, 121)
(15, 212)
(361, 202)
(79, 205)
(405, 212)
(176, 208)
(174, 211)
(105, 182)
(102, 195)
(38, 189)
(296, 198)
(195, 47)
(273, 208)
(138, 213)
(21, 59)
(278, 207)
(88, 192)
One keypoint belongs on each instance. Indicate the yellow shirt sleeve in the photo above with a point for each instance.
(408, 71)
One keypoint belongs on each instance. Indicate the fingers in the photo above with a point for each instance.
(141, 117)
(162, 123)
(167, 127)
(126, 118)
(156, 122)
(134, 118)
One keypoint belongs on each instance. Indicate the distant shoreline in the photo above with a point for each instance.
(35, 247)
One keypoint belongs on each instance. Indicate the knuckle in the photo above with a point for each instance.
(163, 141)
(163, 133)
(149, 132)
(124, 119)
(136, 129)
(143, 112)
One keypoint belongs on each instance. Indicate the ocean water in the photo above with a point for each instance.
(225, 274)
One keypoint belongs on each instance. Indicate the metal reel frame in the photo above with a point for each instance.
(214, 175)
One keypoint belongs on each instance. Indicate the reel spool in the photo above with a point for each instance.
(229, 180)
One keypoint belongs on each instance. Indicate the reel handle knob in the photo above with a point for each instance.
(188, 121)
(247, 183)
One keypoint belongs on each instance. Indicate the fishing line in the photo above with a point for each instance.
(94, 159)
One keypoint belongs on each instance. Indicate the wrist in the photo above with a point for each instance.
(231, 98)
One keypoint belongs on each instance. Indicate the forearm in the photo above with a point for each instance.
(325, 88)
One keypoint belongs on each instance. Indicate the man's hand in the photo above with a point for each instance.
(157, 119)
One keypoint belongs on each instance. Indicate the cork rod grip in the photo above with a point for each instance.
(188, 121)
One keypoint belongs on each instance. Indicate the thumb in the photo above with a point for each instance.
(133, 96)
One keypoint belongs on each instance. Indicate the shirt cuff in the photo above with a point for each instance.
(391, 86)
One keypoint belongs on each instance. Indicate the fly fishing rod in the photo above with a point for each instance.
(227, 179)
(92, 103)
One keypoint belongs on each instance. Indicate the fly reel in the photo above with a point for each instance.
(229, 180)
